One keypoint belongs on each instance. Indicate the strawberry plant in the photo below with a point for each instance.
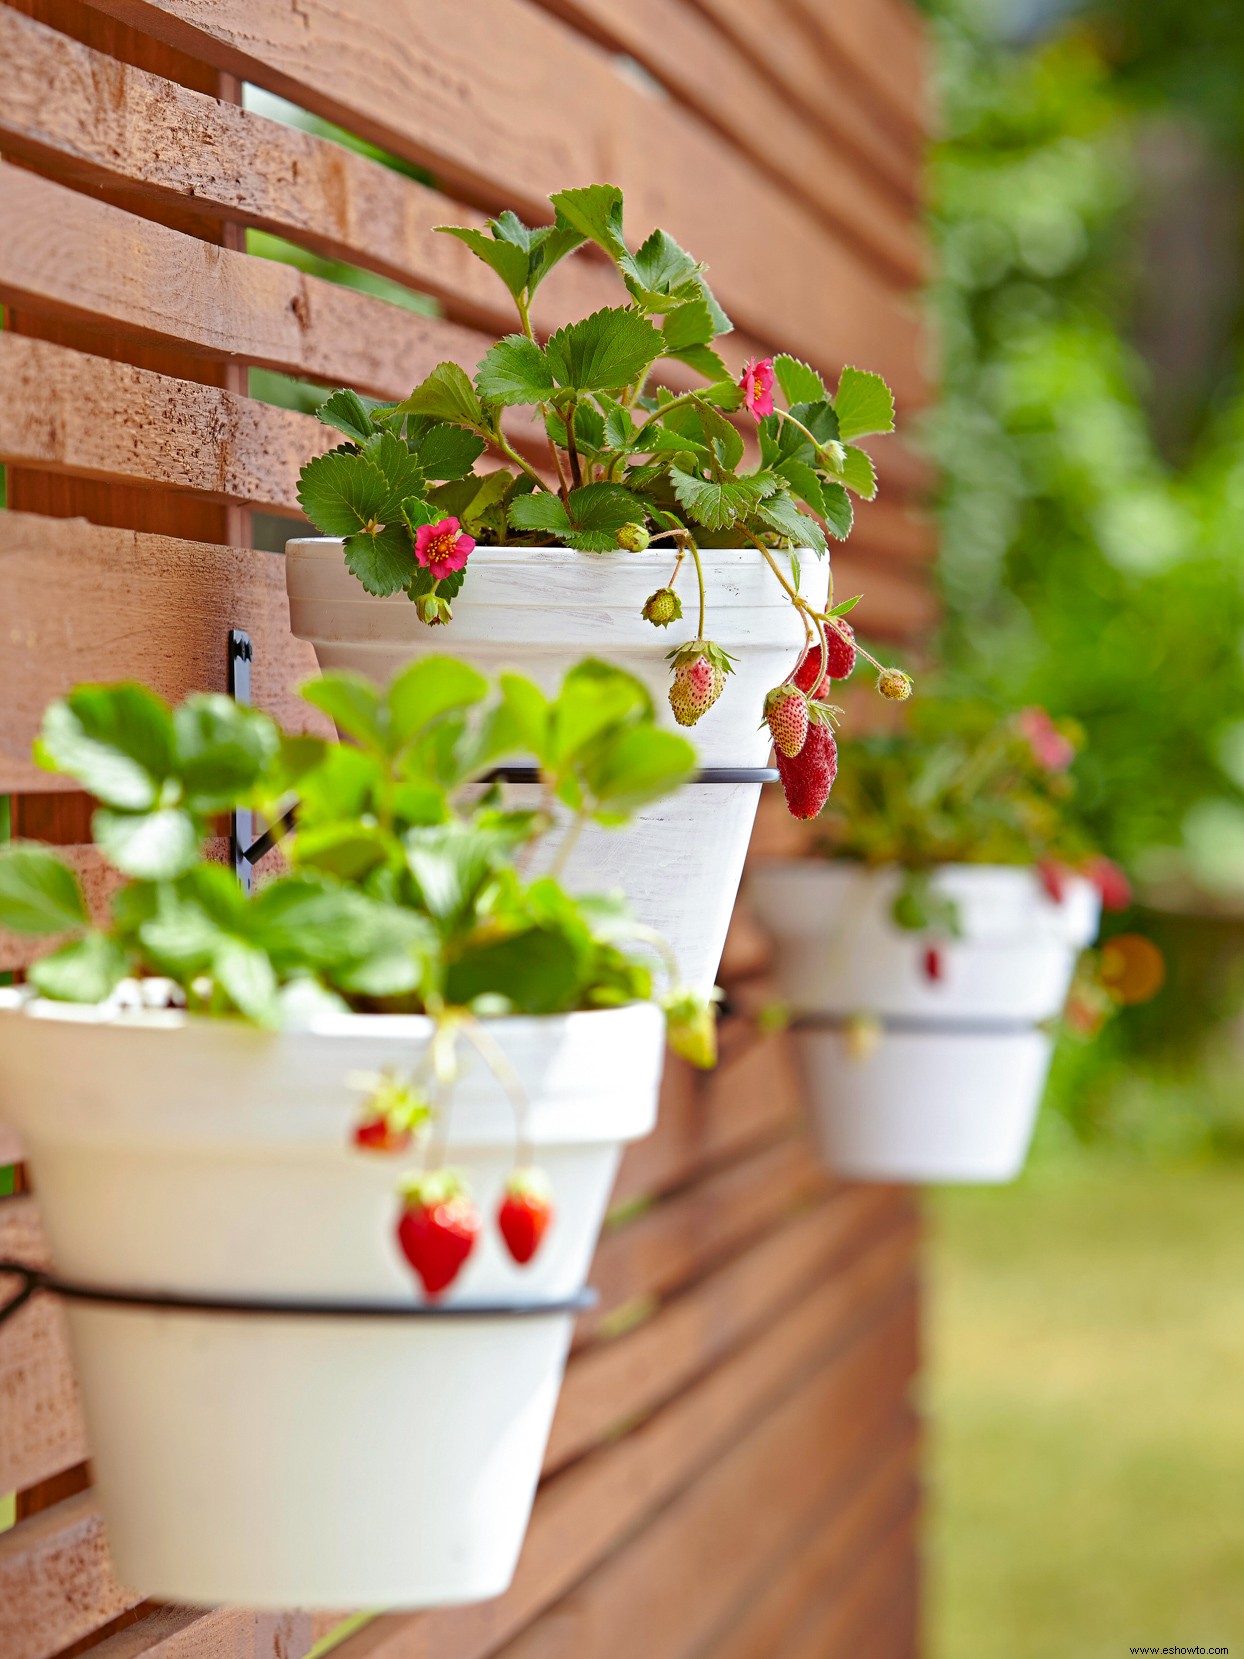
(585, 447)
(959, 785)
(403, 890)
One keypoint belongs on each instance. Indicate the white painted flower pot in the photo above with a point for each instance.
(540, 611)
(947, 1088)
(301, 1459)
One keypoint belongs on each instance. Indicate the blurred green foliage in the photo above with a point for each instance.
(1087, 200)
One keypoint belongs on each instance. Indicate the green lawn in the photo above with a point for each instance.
(1086, 1390)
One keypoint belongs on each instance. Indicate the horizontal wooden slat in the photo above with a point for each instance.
(434, 82)
(704, 71)
(56, 1581)
(615, 1382)
(763, 1628)
(123, 126)
(40, 1409)
(684, 1236)
(705, 1119)
(103, 268)
(700, 1558)
(771, 35)
(160, 142)
(82, 602)
(94, 418)
(837, 1623)
(884, 43)
(586, 1511)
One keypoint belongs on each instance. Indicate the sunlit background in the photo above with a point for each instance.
(1087, 1326)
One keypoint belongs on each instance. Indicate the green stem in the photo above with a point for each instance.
(658, 415)
(495, 437)
(569, 841)
(699, 576)
(572, 448)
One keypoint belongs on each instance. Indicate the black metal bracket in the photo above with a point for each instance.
(710, 774)
(920, 1025)
(35, 1281)
(242, 825)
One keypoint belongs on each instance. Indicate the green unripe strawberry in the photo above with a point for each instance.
(662, 607)
(894, 684)
(633, 537)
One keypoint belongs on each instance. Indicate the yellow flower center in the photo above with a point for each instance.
(442, 547)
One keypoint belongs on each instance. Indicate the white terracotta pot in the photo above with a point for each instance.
(540, 611)
(948, 1088)
(275, 1459)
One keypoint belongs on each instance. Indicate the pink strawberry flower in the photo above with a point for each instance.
(1050, 748)
(756, 383)
(440, 548)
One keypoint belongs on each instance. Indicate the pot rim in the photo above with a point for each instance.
(557, 553)
(115, 1013)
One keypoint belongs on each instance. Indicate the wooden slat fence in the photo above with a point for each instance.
(733, 1471)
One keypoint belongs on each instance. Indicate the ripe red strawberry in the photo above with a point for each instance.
(700, 670)
(1110, 882)
(437, 1228)
(786, 711)
(933, 965)
(1053, 877)
(524, 1213)
(377, 1134)
(839, 660)
(808, 777)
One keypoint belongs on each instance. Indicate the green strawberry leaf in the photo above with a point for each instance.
(799, 383)
(506, 258)
(447, 451)
(446, 395)
(382, 560)
(603, 352)
(541, 511)
(427, 689)
(595, 212)
(719, 504)
(863, 404)
(804, 481)
(86, 970)
(858, 472)
(223, 749)
(342, 491)
(780, 513)
(839, 515)
(515, 371)
(346, 411)
(117, 741)
(39, 893)
(150, 846)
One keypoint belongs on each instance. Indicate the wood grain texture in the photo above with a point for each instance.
(41, 1430)
(884, 43)
(94, 418)
(158, 142)
(56, 1581)
(100, 267)
(703, 69)
(781, 44)
(146, 606)
(430, 80)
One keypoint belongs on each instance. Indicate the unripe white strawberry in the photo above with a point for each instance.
(697, 686)
(786, 711)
